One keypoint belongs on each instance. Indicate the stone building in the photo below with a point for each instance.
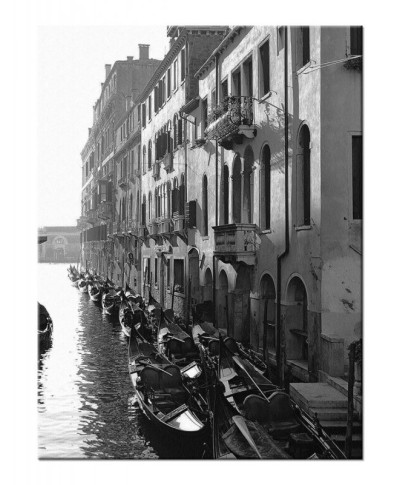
(165, 159)
(281, 120)
(59, 244)
(99, 217)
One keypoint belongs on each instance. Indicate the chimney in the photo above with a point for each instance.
(108, 69)
(144, 52)
(128, 102)
(129, 58)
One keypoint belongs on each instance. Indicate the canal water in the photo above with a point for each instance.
(86, 402)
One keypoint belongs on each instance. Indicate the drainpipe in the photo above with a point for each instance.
(216, 190)
(279, 357)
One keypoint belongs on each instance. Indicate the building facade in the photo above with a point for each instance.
(59, 244)
(235, 179)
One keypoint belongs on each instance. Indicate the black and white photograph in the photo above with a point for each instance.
(197, 272)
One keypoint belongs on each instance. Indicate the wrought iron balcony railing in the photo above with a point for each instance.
(233, 117)
(104, 210)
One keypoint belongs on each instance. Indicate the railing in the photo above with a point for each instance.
(91, 215)
(122, 182)
(236, 239)
(104, 211)
(132, 227)
(164, 226)
(179, 222)
(153, 228)
(226, 118)
(142, 232)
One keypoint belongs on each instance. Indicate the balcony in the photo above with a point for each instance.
(91, 216)
(153, 228)
(116, 229)
(230, 121)
(123, 182)
(236, 243)
(164, 227)
(142, 232)
(132, 227)
(156, 170)
(105, 210)
(81, 222)
(178, 222)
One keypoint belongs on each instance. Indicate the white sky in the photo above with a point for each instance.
(70, 69)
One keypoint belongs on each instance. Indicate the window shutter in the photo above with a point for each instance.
(191, 213)
(179, 131)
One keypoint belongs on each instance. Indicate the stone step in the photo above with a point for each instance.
(340, 424)
(329, 414)
(341, 438)
(317, 394)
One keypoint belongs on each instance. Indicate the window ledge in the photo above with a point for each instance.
(266, 231)
(303, 228)
(303, 68)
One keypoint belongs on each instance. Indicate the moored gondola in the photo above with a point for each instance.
(161, 394)
(94, 291)
(126, 317)
(109, 301)
(45, 326)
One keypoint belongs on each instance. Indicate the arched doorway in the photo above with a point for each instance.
(59, 254)
(208, 286)
(248, 186)
(241, 305)
(222, 301)
(297, 320)
(237, 190)
(194, 275)
(303, 180)
(267, 327)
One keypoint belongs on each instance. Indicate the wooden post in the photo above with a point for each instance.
(349, 429)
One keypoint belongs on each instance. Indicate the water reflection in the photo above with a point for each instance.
(85, 400)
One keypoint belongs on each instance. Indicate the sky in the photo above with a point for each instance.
(70, 70)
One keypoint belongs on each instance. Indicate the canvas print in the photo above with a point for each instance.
(202, 298)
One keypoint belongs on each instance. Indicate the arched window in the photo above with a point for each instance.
(205, 205)
(169, 202)
(237, 190)
(175, 131)
(226, 194)
(248, 186)
(182, 196)
(150, 207)
(149, 155)
(303, 181)
(156, 201)
(175, 197)
(144, 210)
(131, 206)
(298, 317)
(144, 159)
(265, 186)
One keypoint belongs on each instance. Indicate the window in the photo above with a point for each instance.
(226, 194)
(303, 178)
(213, 98)
(265, 222)
(280, 38)
(183, 64)
(236, 83)
(248, 77)
(144, 210)
(224, 90)
(169, 83)
(264, 73)
(144, 159)
(155, 99)
(175, 74)
(357, 176)
(168, 266)
(150, 107)
(143, 115)
(150, 206)
(303, 47)
(204, 113)
(156, 271)
(205, 206)
(149, 161)
(179, 275)
(356, 41)
(146, 269)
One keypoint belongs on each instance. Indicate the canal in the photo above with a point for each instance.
(86, 402)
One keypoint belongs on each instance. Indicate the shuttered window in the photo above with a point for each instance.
(264, 71)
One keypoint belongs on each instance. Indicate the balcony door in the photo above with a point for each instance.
(237, 190)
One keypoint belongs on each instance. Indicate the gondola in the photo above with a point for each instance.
(175, 342)
(109, 301)
(82, 285)
(94, 292)
(161, 394)
(45, 326)
(126, 317)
